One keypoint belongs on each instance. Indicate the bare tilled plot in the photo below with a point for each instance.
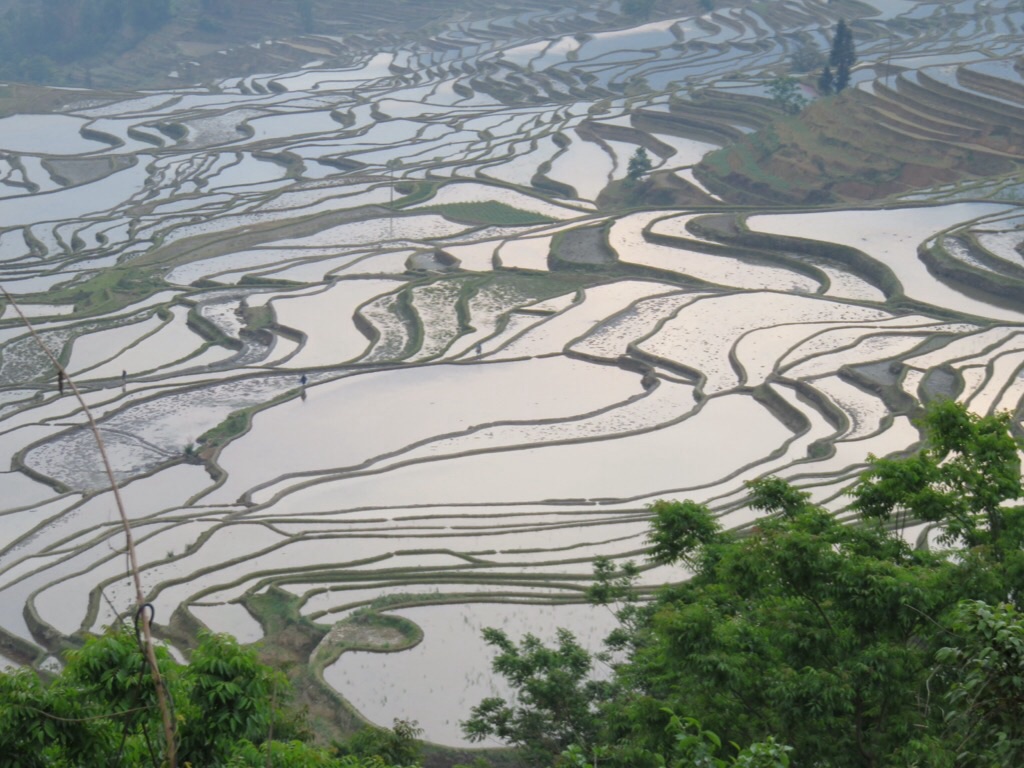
(397, 331)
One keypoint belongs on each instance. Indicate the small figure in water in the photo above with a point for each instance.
(60, 382)
(124, 377)
(479, 349)
(303, 380)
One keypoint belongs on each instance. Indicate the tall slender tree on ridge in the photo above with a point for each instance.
(842, 56)
(826, 82)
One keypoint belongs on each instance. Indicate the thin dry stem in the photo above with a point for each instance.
(165, 712)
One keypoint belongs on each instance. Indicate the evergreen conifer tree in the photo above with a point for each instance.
(826, 83)
(841, 57)
(842, 77)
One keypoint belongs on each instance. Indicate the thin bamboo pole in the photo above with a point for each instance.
(144, 615)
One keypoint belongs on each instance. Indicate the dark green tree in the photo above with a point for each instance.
(826, 82)
(983, 704)
(805, 630)
(556, 701)
(101, 711)
(639, 165)
(842, 56)
(397, 745)
(693, 746)
(842, 78)
(230, 700)
(968, 469)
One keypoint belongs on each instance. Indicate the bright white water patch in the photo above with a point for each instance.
(851, 455)
(1005, 368)
(478, 257)
(612, 338)
(291, 125)
(626, 238)
(866, 349)
(825, 341)
(1012, 394)
(864, 410)
(584, 166)
(326, 320)
(556, 52)
(526, 253)
(210, 268)
(20, 490)
(346, 422)
(765, 350)
(892, 237)
(1005, 245)
(695, 452)
(392, 228)
(670, 401)
(149, 433)
(965, 347)
(230, 618)
(478, 193)
(845, 286)
(91, 349)
(76, 202)
(599, 303)
(375, 67)
(688, 151)
(522, 169)
(33, 311)
(653, 35)
(702, 333)
(46, 135)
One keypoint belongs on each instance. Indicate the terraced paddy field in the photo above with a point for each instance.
(396, 340)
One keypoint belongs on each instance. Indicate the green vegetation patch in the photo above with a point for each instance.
(489, 213)
(108, 290)
(258, 318)
(366, 630)
(234, 425)
(414, 192)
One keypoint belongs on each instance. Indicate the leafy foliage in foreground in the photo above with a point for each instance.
(839, 641)
(230, 710)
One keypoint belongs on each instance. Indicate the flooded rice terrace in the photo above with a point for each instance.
(499, 374)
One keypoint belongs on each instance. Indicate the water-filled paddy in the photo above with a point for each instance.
(337, 427)
(892, 237)
(326, 319)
